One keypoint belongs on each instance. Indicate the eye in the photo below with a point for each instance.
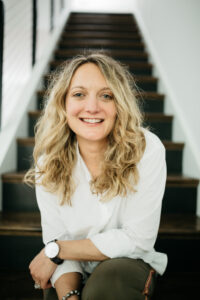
(78, 95)
(107, 97)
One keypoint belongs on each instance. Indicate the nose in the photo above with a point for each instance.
(92, 105)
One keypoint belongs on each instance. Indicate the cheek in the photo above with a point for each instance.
(73, 109)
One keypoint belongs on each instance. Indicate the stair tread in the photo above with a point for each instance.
(148, 116)
(150, 96)
(102, 34)
(171, 178)
(101, 27)
(168, 144)
(145, 95)
(138, 78)
(103, 42)
(113, 52)
(30, 222)
(140, 65)
(178, 224)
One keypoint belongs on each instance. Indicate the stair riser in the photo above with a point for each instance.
(141, 85)
(136, 71)
(180, 200)
(22, 249)
(162, 129)
(152, 106)
(173, 157)
(24, 157)
(180, 251)
(146, 105)
(18, 197)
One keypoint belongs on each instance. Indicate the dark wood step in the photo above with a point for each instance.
(100, 15)
(151, 117)
(102, 35)
(149, 101)
(101, 20)
(29, 223)
(119, 54)
(136, 68)
(26, 224)
(158, 123)
(147, 83)
(174, 153)
(101, 27)
(100, 43)
(173, 180)
(180, 194)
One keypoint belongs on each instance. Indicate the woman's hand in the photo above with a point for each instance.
(41, 269)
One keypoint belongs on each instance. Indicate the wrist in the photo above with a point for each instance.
(52, 250)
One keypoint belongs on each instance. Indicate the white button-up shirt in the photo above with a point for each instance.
(123, 227)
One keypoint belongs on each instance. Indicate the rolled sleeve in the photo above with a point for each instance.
(140, 214)
(67, 266)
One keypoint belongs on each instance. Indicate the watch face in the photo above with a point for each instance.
(52, 249)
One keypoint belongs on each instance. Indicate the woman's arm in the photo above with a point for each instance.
(42, 268)
(81, 250)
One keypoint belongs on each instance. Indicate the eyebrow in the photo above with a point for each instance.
(84, 88)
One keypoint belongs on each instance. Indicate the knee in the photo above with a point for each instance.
(105, 280)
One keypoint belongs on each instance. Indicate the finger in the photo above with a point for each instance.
(48, 286)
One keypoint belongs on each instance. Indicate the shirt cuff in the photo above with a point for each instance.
(114, 243)
(67, 266)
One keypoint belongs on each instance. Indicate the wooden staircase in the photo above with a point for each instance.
(179, 233)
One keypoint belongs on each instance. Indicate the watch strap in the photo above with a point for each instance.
(57, 260)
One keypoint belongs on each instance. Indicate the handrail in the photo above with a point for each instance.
(34, 32)
(1, 53)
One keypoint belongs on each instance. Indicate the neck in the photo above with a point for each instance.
(92, 154)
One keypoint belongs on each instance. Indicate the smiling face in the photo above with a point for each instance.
(90, 106)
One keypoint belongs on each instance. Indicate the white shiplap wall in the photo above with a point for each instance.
(17, 55)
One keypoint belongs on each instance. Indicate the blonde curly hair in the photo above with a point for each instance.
(55, 142)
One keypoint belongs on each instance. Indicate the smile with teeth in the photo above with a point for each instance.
(92, 121)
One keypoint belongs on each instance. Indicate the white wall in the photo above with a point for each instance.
(172, 33)
(17, 53)
(112, 6)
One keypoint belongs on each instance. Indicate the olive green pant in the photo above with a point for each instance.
(117, 279)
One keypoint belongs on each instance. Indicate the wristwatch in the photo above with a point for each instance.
(51, 251)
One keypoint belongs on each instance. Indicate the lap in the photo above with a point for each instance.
(116, 279)
(120, 278)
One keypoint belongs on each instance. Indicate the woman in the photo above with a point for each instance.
(100, 179)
